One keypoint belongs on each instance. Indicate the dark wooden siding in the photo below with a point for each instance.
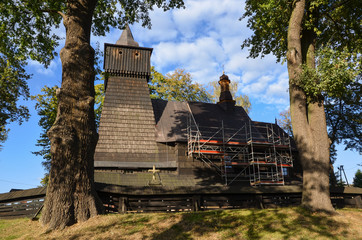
(127, 60)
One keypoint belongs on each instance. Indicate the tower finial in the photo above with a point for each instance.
(126, 38)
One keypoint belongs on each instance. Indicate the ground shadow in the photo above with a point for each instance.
(252, 224)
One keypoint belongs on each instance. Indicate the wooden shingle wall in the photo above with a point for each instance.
(127, 127)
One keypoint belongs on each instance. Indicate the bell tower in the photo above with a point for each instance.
(226, 101)
(127, 125)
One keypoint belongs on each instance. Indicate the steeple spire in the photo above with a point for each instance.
(225, 94)
(226, 101)
(126, 38)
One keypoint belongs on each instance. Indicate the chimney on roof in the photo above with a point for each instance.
(226, 101)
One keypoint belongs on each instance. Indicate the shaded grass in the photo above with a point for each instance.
(283, 223)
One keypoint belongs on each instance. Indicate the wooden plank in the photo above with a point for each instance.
(6, 209)
(228, 198)
(142, 199)
(159, 204)
(157, 209)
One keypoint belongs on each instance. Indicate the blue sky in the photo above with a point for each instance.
(203, 39)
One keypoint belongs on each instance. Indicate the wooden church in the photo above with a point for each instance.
(157, 155)
(145, 142)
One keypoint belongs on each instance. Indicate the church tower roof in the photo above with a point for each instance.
(226, 99)
(126, 38)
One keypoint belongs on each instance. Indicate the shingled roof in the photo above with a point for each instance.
(172, 117)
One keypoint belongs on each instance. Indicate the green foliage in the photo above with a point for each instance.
(176, 86)
(137, 10)
(335, 26)
(46, 106)
(99, 100)
(269, 20)
(344, 118)
(240, 100)
(27, 32)
(333, 21)
(285, 122)
(45, 180)
(12, 88)
(337, 77)
(357, 180)
(335, 71)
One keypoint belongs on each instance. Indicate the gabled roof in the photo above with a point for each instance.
(172, 118)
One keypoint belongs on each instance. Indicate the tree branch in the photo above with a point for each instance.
(339, 31)
(54, 11)
(337, 6)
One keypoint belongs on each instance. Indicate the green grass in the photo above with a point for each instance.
(282, 223)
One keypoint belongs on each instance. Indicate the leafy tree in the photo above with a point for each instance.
(343, 108)
(240, 100)
(342, 101)
(285, 122)
(12, 87)
(176, 86)
(26, 32)
(293, 31)
(357, 180)
(46, 106)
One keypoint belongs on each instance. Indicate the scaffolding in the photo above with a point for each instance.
(254, 153)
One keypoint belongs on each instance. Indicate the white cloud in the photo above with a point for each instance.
(204, 53)
(204, 39)
(279, 88)
(39, 68)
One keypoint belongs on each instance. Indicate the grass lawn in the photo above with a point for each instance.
(281, 223)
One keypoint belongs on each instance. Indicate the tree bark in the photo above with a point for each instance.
(308, 117)
(71, 196)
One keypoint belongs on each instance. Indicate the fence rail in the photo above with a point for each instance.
(28, 202)
(21, 208)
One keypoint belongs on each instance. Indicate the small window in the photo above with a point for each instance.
(285, 171)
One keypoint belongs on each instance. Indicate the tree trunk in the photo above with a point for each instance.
(71, 196)
(308, 118)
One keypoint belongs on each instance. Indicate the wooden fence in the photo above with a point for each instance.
(175, 203)
(23, 208)
(26, 203)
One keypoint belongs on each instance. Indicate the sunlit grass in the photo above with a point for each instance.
(283, 223)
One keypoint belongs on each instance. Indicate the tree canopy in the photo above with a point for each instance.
(357, 180)
(334, 22)
(13, 87)
(176, 86)
(285, 122)
(294, 31)
(26, 32)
